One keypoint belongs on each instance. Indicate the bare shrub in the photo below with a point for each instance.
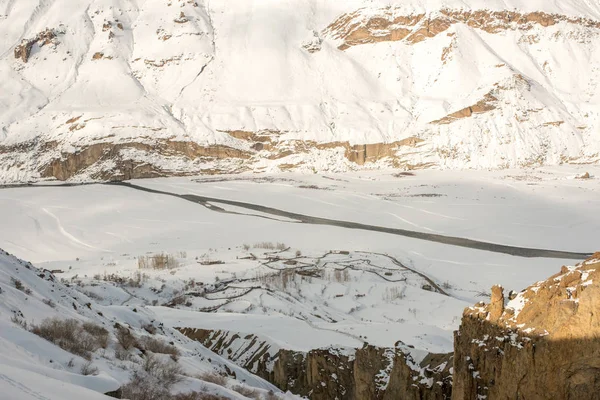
(247, 391)
(270, 246)
(122, 354)
(280, 281)
(137, 280)
(125, 338)
(447, 285)
(93, 295)
(213, 377)
(246, 247)
(143, 262)
(71, 336)
(160, 261)
(151, 329)
(49, 302)
(98, 332)
(394, 293)
(158, 346)
(166, 372)
(17, 283)
(198, 396)
(88, 369)
(177, 301)
(141, 387)
(19, 321)
(339, 275)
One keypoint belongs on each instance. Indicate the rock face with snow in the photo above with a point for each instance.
(544, 344)
(117, 89)
(365, 373)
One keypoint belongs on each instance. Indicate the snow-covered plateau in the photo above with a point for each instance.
(118, 89)
(235, 270)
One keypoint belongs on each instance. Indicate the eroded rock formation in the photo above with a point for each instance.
(46, 37)
(544, 344)
(331, 373)
(389, 24)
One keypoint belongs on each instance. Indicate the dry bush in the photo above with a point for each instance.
(17, 283)
(151, 329)
(447, 285)
(19, 321)
(49, 302)
(177, 301)
(164, 261)
(137, 280)
(71, 336)
(270, 395)
(280, 281)
(270, 246)
(98, 332)
(165, 372)
(247, 391)
(182, 254)
(198, 396)
(88, 369)
(141, 387)
(125, 338)
(213, 377)
(122, 354)
(339, 275)
(159, 261)
(394, 293)
(93, 295)
(158, 346)
(143, 262)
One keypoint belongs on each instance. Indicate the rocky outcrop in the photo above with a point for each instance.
(544, 344)
(46, 37)
(361, 154)
(336, 373)
(488, 103)
(389, 24)
(124, 167)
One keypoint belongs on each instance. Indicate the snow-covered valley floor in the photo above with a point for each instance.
(302, 286)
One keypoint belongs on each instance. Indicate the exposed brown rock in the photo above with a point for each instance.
(71, 164)
(182, 19)
(46, 37)
(368, 373)
(488, 103)
(358, 153)
(357, 28)
(496, 306)
(544, 345)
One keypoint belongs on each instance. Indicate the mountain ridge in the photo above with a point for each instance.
(97, 90)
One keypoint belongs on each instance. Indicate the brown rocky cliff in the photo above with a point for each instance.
(368, 373)
(545, 344)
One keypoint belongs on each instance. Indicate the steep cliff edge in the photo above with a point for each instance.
(544, 343)
(367, 373)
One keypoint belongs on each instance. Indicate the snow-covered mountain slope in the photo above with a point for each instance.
(121, 89)
(38, 363)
